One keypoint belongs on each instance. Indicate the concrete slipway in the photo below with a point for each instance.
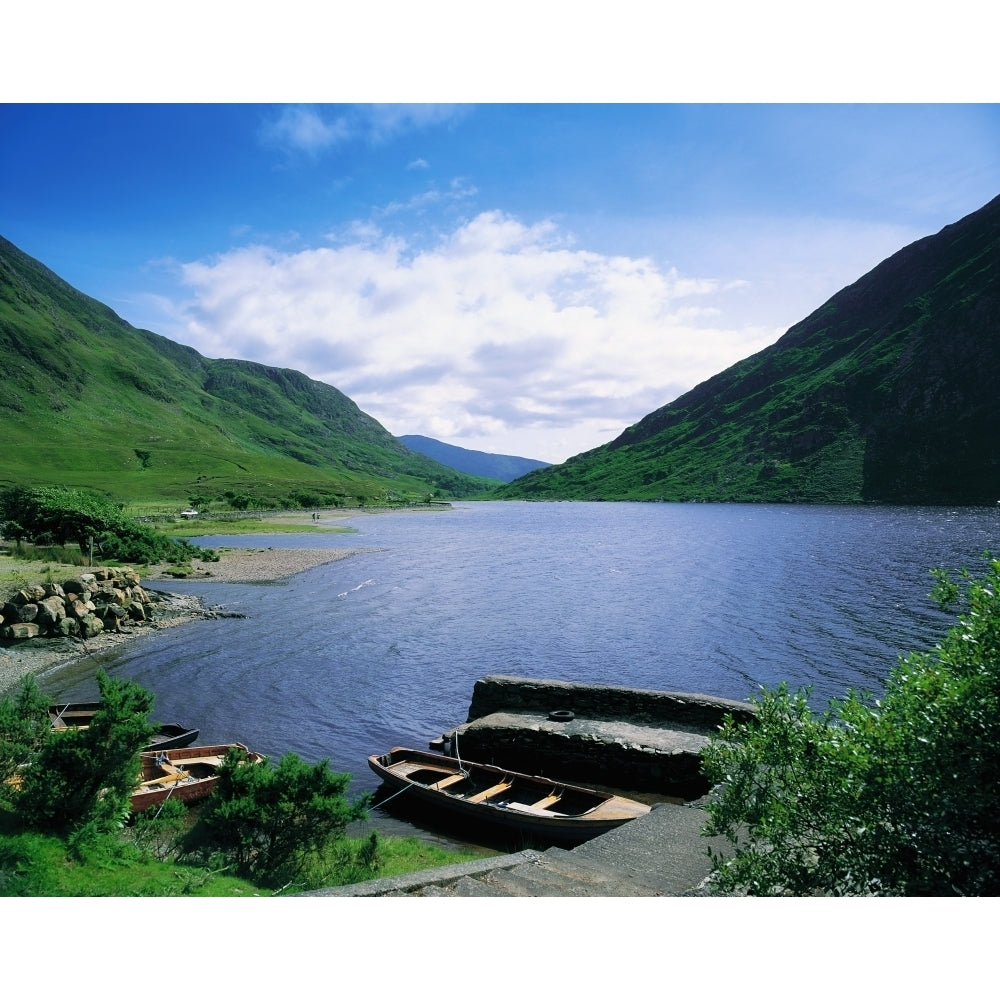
(659, 854)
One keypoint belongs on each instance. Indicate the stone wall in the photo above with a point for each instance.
(617, 737)
(81, 606)
(582, 757)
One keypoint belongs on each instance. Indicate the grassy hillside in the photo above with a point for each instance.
(89, 401)
(888, 392)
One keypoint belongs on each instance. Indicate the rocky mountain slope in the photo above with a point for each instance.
(887, 393)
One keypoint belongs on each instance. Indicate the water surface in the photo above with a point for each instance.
(383, 648)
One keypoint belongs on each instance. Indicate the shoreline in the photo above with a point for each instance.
(235, 565)
(253, 565)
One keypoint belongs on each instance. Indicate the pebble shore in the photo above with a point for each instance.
(256, 565)
(37, 656)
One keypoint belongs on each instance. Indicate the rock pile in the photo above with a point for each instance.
(82, 606)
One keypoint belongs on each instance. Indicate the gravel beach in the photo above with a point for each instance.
(37, 656)
(255, 565)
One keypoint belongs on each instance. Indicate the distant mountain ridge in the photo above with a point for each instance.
(887, 393)
(90, 401)
(476, 463)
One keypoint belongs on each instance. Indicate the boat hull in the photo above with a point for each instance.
(482, 793)
(187, 774)
(171, 736)
(168, 736)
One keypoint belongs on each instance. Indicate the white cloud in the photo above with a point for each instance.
(501, 336)
(383, 121)
(305, 130)
(458, 192)
(313, 129)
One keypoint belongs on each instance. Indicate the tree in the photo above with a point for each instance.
(53, 514)
(87, 776)
(268, 820)
(24, 727)
(891, 797)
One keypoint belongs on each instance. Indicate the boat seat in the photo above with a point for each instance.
(169, 779)
(534, 810)
(490, 793)
(452, 779)
(405, 767)
(547, 801)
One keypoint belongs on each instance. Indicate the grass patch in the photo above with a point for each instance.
(18, 572)
(247, 526)
(403, 855)
(138, 863)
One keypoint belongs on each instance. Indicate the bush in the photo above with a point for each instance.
(87, 776)
(267, 821)
(889, 797)
(50, 515)
(24, 727)
(158, 832)
(25, 868)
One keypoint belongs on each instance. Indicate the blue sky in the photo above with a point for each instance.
(522, 278)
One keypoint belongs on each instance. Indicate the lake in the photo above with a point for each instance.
(383, 648)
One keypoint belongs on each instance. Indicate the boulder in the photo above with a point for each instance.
(68, 627)
(79, 608)
(112, 616)
(27, 612)
(90, 625)
(21, 630)
(77, 588)
(51, 611)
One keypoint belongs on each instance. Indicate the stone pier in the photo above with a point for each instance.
(592, 734)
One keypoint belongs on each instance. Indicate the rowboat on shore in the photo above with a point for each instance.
(168, 735)
(529, 804)
(187, 774)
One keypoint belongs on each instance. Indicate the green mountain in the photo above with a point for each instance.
(476, 463)
(888, 392)
(87, 400)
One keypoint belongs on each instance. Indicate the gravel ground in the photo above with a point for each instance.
(256, 565)
(37, 656)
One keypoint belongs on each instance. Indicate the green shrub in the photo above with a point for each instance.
(55, 516)
(158, 832)
(25, 868)
(24, 727)
(268, 821)
(82, 776)
(890, 797)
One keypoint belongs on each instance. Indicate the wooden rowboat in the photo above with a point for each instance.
(187, 774)
(529, 804)
(168, 735)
